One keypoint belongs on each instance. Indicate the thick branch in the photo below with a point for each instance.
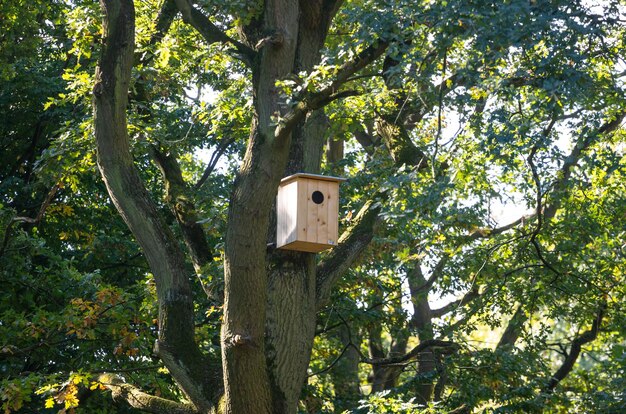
(398, 142)
(177, 196)
(444, 310)
(210, 32)
(434, 276)
(164, 21)
(513, 329)
(577, 344)
(431, 343)
(573, 158)
(350, 246)
(136, 398)
(176, 190)
(129, 195)
(365, 138)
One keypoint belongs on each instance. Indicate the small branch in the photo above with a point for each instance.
(42, 209)
(338, 95)
(486, 233)
(29, 220)
(439, 128)
(364, 76)
(539, 196)
(125, 370)
(329, 328)
(434, 276)
(124, 263)
(538, 212)
(11, 350)
(572, 159)
(577, 344)
(215, 157)
(332, 364)
(440, 266)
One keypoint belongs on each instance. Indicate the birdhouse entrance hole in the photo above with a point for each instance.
(307, 209)
(317, 197)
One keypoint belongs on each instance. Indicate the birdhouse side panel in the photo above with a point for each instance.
(287, 214)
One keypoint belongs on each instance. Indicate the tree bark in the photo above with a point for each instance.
(290, 326)
(291, 299)
(386, 376)
(376, 351)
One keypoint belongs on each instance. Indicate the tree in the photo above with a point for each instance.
(536, 89)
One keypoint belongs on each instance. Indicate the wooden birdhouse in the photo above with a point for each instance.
(307, 212)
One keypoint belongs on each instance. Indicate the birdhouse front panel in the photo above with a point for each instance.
(307, 212)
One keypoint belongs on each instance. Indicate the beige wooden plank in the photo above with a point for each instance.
(302, 209)
(333, 213)
(312, 212)
(312, 176)
(322, 213)
(304, 246)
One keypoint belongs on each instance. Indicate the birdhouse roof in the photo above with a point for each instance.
(313, 177)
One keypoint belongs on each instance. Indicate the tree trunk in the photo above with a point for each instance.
(249, 323)
(291, 299)
(422, 323)
(345, 373)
